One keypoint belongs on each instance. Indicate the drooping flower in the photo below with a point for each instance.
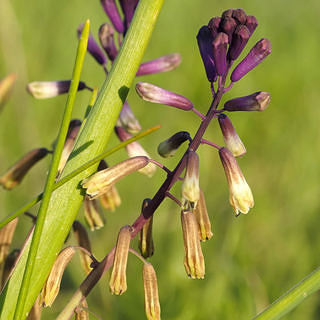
(241, 198)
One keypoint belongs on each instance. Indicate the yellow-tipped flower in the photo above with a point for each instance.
(151, 296)
(118, 279)
(146, 245)
(111, 199)
(16, 173)
(230, 136)
(82, 237)
(101, 182)
(194, 260)
(51, 288)
(201, 214)
(241, 198)
(6, 85)
(92, 215)
(190, 185)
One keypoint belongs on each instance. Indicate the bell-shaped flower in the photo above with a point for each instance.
(241, 198)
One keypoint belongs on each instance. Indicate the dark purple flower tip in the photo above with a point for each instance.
(230, 136)
(161, 64)
(251, 23)
(169, 147)
(220, 44)
(239, 40)
(228, 25)
(239, 15)
(112, 12)
(50, 89)
(257, 101)
(128, 7)
(227, 13)
(213, 25)
(204, 38)
(256, 55)
(152, 93)
(93, 48)
(106, 37)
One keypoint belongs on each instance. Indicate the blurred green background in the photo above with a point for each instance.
(251, 260)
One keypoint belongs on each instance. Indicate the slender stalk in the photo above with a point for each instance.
(49, 187)
(74, 173)
(66, 201)
(292, 298)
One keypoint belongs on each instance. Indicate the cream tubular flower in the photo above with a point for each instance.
(241, 198)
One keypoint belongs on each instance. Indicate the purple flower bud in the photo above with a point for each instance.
(161, 64)
(106, 37)
(112, 12)
(228, 25)
(230, 136)
(257, 101)
(239, 40)
(220, 44)
(152, 93)
(93, 48)
(239, 15)
(256, 55)
(169, 147)
(205, 39)
(128, 7)
(251, 23)
(127, 119)
(213, 26)
(50, 89)
(227, 13)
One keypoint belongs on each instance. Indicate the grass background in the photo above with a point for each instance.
(251, 260)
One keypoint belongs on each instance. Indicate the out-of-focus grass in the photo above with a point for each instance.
(251, 260)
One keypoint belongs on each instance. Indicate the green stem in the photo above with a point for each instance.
(292, 298)
(49, 187)
(74, 173)
(66, 201)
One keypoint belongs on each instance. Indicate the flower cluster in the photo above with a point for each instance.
(220, 43)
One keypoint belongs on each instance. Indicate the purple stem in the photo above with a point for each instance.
(209, 143)
(160, 165)
(212, 89)
(172, 197)
(198, 113)
(228, 87)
